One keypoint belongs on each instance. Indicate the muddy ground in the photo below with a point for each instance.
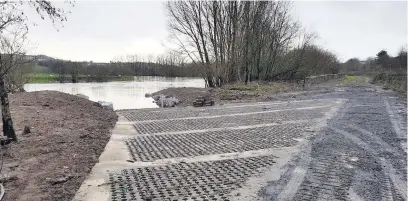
(251, 93)
(67, 136)
(359, 155)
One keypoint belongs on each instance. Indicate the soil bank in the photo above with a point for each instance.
(237, 93)
(68, 133)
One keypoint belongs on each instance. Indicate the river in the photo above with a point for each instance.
(123, 95)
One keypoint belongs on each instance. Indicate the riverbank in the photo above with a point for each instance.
(67, 136)
(54, 78)
(237, 93)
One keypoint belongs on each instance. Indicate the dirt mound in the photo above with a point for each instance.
(68, 133)
(186, 94)
(239, 92)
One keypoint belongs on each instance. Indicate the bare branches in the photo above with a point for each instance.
(46, 8)
(13, 31)
(238, 40)
(13, 14)
(12, 52)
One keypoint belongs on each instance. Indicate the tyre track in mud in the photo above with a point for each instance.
(387, 169)
(360, 155)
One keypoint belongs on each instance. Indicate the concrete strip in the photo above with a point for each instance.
(124, 129)
(227, 106)
(115, 151)
(94, 187)
(122, 118)
(125, 136)
(226, 115)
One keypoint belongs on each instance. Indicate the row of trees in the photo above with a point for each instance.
(245, 41)
(383, 62)
(169, 65)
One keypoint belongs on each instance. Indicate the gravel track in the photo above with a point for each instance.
(360, 155)
(348, 143)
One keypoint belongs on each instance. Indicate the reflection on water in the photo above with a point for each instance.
(123, 95)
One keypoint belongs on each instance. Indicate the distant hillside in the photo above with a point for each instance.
(40, 57)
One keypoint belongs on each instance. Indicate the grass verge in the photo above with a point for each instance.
(349, 78)
(264, 87)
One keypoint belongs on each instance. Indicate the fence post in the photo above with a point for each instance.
(304, 82)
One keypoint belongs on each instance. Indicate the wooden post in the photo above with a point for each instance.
(304, 82)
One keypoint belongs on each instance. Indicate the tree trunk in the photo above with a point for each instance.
(210, 81)
(74, 75)
(8, 129)
(247, 37)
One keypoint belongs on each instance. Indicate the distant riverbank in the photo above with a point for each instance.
(55, 78)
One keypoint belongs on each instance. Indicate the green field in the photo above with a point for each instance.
(54, 78)
(355, 79)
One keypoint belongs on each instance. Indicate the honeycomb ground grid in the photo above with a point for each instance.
(174, 125)
(153, 147)
(211, 180)
(169, 135)
(143, 115)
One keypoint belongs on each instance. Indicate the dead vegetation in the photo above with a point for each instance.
(396, 82)
(238, 92)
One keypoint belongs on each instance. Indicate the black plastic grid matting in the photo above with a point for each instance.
(153, 147)
(212, 180)
(168, 113)
(176, 125)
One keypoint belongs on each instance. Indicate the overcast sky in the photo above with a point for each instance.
(103, 30)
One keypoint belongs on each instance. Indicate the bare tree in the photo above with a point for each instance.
(13, 13)
(402, 58)
(188, 21)
(294, 59)
(233, 40)
(18, 76)
(73, 68)
(12, 54)
(61, 65)
(13, 29)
